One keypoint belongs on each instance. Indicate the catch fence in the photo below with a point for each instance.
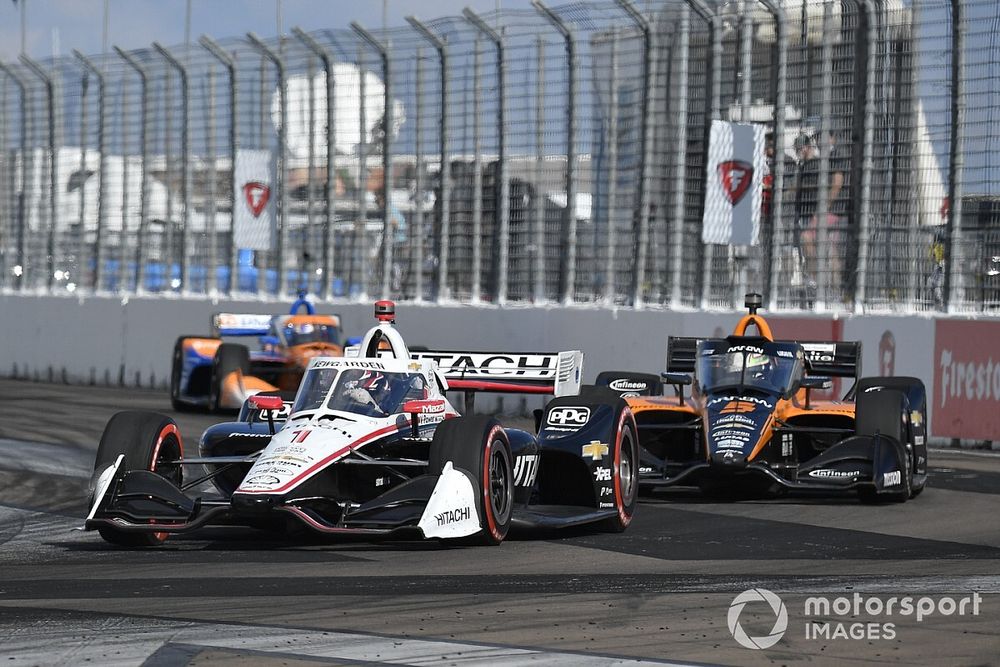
(546, 155)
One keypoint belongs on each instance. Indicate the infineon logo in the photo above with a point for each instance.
(569, 416)
(625, 384)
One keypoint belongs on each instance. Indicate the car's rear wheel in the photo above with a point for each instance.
(478, 445)
(883, 413)
(229, 357)
(148, 441)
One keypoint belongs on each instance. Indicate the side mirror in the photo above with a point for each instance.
(816, 383)
(267, 405)
(264, 402)
(425, 406)
(679, 380)
(810, 383)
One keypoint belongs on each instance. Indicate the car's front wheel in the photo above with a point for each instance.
(479, 445)
(148, 441)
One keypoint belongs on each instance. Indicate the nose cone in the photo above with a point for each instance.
(735, 424)
(732, 459)
(253, 505)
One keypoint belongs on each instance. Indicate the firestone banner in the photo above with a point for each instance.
(255, 219)
(966, 389)
(733, 187)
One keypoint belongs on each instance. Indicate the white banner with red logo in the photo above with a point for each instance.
(255, 219)
(966, 391)
(733, 188)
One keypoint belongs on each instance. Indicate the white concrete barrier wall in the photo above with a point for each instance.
(104, 340)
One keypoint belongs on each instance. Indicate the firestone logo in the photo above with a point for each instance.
(968, 381)
(780, 620)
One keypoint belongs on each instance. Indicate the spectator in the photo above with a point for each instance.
(807, 202)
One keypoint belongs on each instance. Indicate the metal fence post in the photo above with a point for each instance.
(416, 236)
(680, 157)
(185, 162)
(823, 251)
(778, 184)
(953, 255)
(331, 156)
(538, 234)
(50, 237)
(445, 173)
(360, 236)
(569, 274)
(867, 160)
(503, 189)
(144, 141)
(230, 64)
(102, 168)
(612, 139)
(738, 254)
(387, 123)
(712, 111)
(279, 65)
(306, 273)
(477, 174)
(212, 264)
(649, 76)
(22, 211)
(81, 241)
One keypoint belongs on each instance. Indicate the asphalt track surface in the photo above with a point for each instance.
(659, 593)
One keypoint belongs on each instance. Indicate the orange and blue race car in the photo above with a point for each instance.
(750, 424)
(216, 373)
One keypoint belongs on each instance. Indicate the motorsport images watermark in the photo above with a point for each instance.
(868, 615)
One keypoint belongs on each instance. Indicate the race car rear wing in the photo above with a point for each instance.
(240, 324)
(826, 358)
(833, 359)
(681, 354)
(556, 373)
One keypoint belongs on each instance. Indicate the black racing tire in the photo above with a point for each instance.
(905, 384)
(149, 441)
(625, 466)
(229, 357)
(176, 369)
(478, 445)
(885, 413)
(653, 384)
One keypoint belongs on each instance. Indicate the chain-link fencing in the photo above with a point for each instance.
(547, 155)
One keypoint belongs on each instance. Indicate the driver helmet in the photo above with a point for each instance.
(374, 383)
(300, 328)
(759, 365)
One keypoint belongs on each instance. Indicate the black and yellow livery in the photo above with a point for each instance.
(742, 417)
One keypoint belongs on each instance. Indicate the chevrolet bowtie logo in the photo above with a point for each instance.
(595, 449)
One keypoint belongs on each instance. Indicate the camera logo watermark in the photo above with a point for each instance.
(780, 618)
(870, 617)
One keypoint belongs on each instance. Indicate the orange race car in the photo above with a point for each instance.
(750, 424)
(212, 373)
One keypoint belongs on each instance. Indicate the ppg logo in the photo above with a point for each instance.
(569, 416)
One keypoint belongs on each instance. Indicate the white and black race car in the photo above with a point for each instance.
(371, 445)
